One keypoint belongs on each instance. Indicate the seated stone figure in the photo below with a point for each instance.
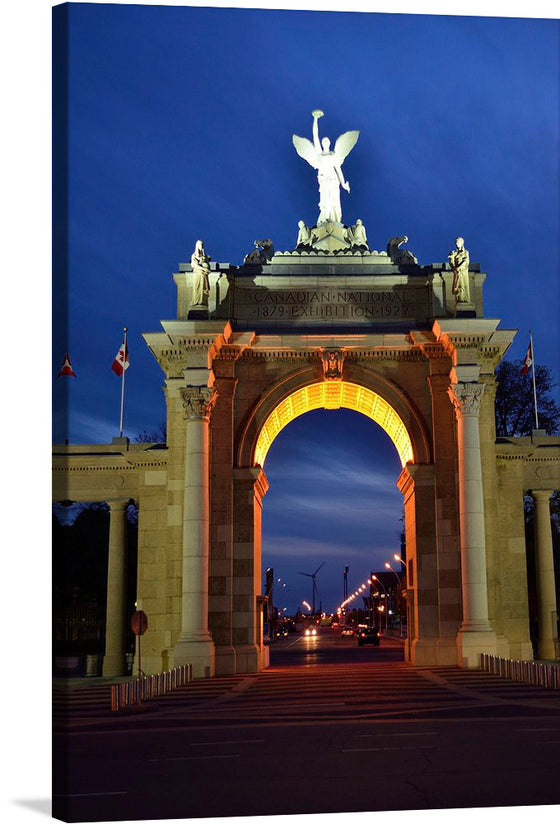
(400, 256)
(357, 237)
(305, 237)
(262, 253)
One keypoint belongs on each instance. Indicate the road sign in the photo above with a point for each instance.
(139, 622)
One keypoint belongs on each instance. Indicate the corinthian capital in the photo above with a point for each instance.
(197, 401)
(466, 398)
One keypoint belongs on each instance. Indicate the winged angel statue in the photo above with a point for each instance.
(328, 165)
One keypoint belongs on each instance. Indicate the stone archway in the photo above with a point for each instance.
(433, 635)
(307, 329)
(277, 339)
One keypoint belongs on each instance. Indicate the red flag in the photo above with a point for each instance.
(121, 362)
(67, 368)
(528, 362)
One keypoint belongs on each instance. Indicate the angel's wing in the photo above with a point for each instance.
(344, 145)
(306, 149)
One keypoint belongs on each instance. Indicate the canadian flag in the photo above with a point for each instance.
(121, 362)
(528, 362)
(67, 368)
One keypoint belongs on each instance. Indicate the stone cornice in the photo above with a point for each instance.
(280, 354)
(89, 466)
(353, 354)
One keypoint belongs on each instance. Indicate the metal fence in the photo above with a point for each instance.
(530, 672)
(149, 686)
(78, 629)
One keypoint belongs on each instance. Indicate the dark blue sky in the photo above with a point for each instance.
(180, 125)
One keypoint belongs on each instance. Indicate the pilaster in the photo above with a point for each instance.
(250, 486)
(447, 537)
(220, 604)
(416, 482)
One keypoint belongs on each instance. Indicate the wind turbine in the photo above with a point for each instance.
(312, 576)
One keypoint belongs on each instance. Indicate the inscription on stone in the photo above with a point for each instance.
(327, 304)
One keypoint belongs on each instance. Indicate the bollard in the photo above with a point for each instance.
(150, 686)
(114, 697)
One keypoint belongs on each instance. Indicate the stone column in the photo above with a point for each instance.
(475, 634)
(195, 645)
(546, 589)
(114, 660)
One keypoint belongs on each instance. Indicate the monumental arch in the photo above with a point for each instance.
(329, 324)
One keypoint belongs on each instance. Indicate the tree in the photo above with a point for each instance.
(157, 436)
(515, 408)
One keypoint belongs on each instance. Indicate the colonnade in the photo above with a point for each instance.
(476, 633)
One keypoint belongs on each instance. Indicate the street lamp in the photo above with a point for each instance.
(388, 566)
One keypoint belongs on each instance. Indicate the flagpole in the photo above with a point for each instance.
(534, 381)
(122, 383)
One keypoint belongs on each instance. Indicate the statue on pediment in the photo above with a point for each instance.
(200, 263)
(459, 262)
(357, 236)
(328, 165)
(305, 236)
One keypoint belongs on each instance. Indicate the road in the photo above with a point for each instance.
(329, 727)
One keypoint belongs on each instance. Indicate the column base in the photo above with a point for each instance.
(423, 652)
(265, 657)
(248, 658)
(114, 665)
(446, 649)
(225, 661)
(201, 654)
(470, 645)
(548, 649)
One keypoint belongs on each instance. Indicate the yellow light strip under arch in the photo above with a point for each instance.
(334, 395)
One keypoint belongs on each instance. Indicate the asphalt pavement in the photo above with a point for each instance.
(329, 727)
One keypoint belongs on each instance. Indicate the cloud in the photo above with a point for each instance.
(304, 548)
(340, 508)
(94, 428)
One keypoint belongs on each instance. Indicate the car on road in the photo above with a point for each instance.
(310, 631)
(281, 632)
(368, 635)
(347, 633)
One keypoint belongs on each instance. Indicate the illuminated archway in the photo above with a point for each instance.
(334, 395)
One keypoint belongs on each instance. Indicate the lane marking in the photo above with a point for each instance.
(393, 734)
(379, 749)
(193, 757)
(223, 743)
(86, 795)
